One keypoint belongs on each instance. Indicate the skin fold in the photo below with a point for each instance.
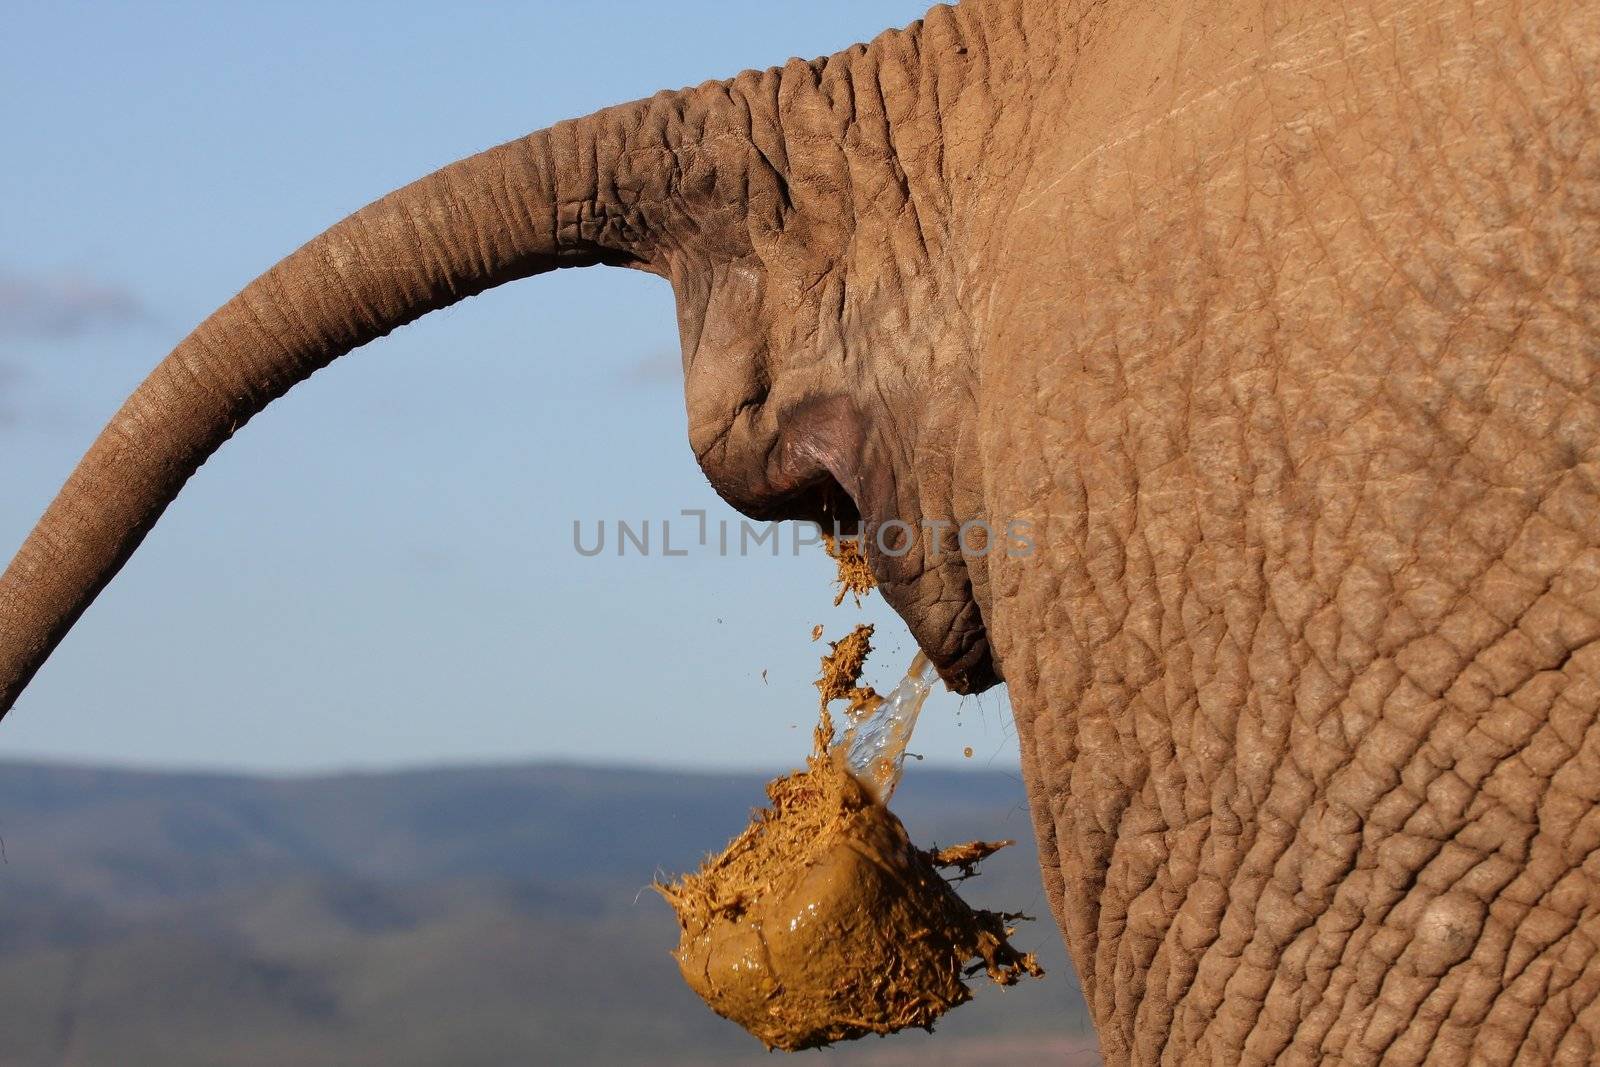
(1278, 324)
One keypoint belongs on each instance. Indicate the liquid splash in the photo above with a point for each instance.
(875, 745)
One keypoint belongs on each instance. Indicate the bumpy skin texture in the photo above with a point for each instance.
(1281, 326)
(1307, 668)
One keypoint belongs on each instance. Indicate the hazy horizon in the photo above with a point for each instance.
(475, 917)
(479, 763)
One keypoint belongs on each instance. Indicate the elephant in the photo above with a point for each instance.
(1278, 324)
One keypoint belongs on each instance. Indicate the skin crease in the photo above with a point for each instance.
(1277, 322)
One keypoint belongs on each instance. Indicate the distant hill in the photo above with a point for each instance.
(452, 916)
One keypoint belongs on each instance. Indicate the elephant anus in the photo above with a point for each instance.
(1278, 325)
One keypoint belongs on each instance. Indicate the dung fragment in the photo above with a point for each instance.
(855, 577)
(967, 856)
(841, 674)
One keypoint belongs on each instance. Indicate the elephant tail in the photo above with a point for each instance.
(555, 198)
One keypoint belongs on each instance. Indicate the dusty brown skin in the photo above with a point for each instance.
(1279, 324)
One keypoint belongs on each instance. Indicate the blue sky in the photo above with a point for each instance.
(380, 570)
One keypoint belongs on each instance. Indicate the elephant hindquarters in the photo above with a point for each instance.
(1306, 666)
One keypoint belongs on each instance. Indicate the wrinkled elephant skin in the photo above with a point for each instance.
(1278, 327)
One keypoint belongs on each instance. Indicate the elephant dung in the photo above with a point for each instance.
(841, 679)
(855, 575)
(822, 922)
